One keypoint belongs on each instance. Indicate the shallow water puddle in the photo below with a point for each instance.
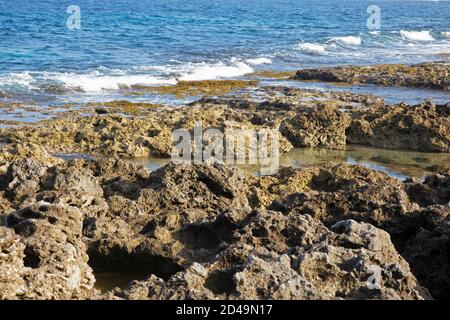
(108, 281)
(400, 164)
(391, 95)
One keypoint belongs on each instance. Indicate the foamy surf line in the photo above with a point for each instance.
(89, 83)
(311, 48)
(423, 35)
(217, 71)
(316, 48)
(99, 80)
(347, 40)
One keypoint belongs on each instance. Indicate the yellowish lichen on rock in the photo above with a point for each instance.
(124, 106)
(274, 74)
(196, 88)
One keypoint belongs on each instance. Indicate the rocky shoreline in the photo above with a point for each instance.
(423, 75)
(303, 117)
(210, 231)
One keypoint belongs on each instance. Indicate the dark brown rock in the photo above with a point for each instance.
(424, 75)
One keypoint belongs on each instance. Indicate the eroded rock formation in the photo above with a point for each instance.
(211, 231)
(424, 75)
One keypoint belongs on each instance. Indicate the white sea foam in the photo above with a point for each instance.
(258, 61)
(23, 79)
(423, 35)
(446, 34)
(312, 48)
(195, 71)
(207, 71)
(348, 40)
(95, 82)
(110, 79)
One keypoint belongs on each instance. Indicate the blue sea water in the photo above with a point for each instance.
(151, 42)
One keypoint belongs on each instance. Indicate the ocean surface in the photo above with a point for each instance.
(154, 42)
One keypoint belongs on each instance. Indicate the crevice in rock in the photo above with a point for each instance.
(221, 282)
(293, 236)
(351, 245)
(149, 228)
(215, 187)
(260, 232)
(22, 215)
(199, 237)
(31, 258)
(120, 261)
(25, 229)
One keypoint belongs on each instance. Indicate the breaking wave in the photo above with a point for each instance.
(104, 79)
(347, 40)
(311, 48)
(423, 35)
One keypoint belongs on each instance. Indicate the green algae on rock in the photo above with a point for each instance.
(273, 74)
(196, 88)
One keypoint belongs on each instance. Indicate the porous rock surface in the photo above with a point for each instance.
(212, 231)
(423, 127)
(299, 117)
(423, 75)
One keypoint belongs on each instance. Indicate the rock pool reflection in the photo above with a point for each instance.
(400, 164)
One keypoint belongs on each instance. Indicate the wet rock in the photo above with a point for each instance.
(149, 131)
(303, 117)
(424, 75)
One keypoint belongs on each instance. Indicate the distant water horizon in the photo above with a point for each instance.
(157, 42)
